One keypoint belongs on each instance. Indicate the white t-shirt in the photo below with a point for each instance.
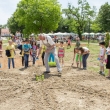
(108, 50)
(38, 42)
(48, 39)
(100, 37)
(18, 42)
(102, 51)
(85, 49)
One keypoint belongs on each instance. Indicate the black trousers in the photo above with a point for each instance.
(43, 54)
(22, 60)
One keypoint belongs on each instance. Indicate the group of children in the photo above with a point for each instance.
(80, 54)
(29, 48)
(26, 49)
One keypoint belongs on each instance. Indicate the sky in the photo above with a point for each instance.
(7, 7)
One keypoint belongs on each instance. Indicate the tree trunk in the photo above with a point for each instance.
(79, 34)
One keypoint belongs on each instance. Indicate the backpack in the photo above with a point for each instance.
(8, 54)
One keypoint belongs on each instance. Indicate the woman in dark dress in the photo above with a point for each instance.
(108, 60)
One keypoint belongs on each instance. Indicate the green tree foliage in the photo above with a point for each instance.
(95, 27)
(78, 16)
(63, 25)
(107, 40)
(3, 26)
(38, 15)
(104, 17)
(13, 25)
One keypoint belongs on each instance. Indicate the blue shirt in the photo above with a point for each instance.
(26, 48)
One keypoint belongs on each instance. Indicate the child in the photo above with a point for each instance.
(18, 42)
(26, 49)
(61, 53)
(11, 49)
(77, 42)
(34, 51)
(108, 60)
(69, 43)
(20, 47)
(78, 57)
(1, 48)
(102, 57)
(84, 52)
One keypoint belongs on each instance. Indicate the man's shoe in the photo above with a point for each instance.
(103, 73)
(46, 72)
(59, 72)
(100, 72)
(84, 68)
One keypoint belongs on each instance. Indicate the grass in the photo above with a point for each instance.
(86, 41)
(5, 41)
(91, 41)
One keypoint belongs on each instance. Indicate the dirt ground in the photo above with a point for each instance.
(75, 89)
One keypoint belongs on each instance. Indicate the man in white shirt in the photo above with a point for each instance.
(50, 48)
(100, 38)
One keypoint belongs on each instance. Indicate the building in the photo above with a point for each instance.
(5, 32)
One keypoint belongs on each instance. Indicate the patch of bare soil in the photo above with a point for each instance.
(74, 90)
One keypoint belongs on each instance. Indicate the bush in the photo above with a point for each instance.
(107, 39)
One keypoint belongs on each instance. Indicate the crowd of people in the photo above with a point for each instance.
(47, 47)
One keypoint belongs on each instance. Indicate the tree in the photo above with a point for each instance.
(63, 25)
(95, 27)
(104, 17)
(13, 25)
(79, 16)
(38, 15)
(3, 26)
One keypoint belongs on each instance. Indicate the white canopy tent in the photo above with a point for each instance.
(85, 33)
(62, 34)
(97, 33)
(92, 33)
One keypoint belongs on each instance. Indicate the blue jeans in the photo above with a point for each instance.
(84, 60)
(9, 62)
(51, 57)
(26, 59)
